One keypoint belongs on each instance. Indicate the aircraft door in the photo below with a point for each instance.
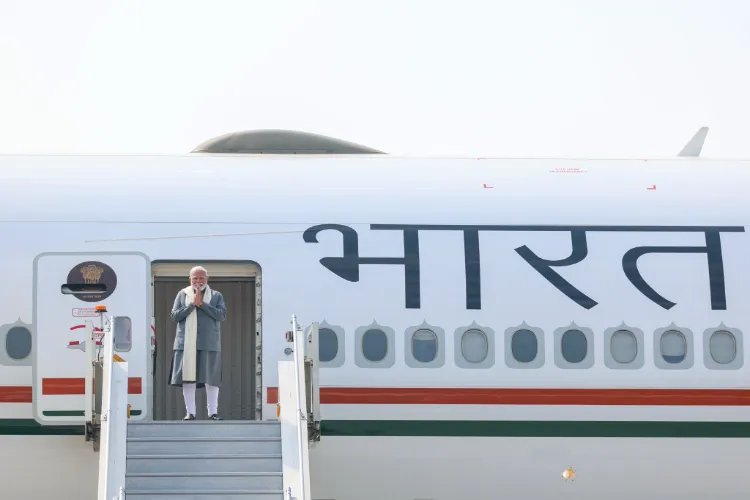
(67, 289)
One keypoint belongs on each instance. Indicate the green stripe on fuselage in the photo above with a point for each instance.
(29, 427)
(468, 428)
(507, 428)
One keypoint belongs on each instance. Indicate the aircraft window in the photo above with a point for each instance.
(524, 346)
(723, 347)
(374, 345)
(424, 345)
(328, 345)
(673, 347)
(574, 346)
(18, 343)
(623, 346)
(474, 346)
(82, 288)
(123, 334)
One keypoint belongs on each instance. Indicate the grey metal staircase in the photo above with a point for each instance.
(204, 460)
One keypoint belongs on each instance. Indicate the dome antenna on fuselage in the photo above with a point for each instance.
(280, 142)
(695, 145)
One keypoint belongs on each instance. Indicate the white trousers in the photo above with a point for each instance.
(212, 397)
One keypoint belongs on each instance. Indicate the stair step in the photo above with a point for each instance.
(204, 495)
(199, 446)
(258, 481)
(204, 463)
(198, 428)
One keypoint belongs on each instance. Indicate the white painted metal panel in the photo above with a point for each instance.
(60, 364)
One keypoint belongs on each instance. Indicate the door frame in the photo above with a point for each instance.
(173, 268)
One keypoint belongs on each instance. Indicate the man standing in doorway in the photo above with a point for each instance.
(196, 362)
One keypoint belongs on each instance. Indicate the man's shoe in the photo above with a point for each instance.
(215, 417)
(189, 417)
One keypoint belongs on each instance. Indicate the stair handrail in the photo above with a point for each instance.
(114, 416)
(301, 409)
(93, 348)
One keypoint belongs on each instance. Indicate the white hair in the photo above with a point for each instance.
(198, 268)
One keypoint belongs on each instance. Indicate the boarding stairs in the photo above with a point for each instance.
(206, 460)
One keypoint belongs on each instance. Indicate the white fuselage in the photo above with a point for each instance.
(631, 367)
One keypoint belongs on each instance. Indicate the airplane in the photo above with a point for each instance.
(486, 326)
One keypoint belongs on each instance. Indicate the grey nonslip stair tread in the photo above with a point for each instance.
(205, 495)
(197, 428)
(203, 492)
(209, 482)
(208, 456)
(204, 462)
(204, 438)
(202, 474)
(203, 446)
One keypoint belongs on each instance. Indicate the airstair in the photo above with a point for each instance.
(202, 460)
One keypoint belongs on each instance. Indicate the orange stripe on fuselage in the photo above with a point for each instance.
(440, 396)
(572, 397)
(57, 387)
(15, 394)
(77, 386)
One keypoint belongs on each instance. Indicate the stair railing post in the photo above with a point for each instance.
(299, 358)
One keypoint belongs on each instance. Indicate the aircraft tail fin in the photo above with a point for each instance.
(695, 145)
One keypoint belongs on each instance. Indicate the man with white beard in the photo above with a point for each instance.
(196, 362)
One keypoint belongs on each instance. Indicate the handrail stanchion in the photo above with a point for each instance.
(294, 417)
(299, 359)
(114, 416)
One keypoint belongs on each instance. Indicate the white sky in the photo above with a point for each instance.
(469, 77)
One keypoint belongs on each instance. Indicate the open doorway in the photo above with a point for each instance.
(239, 283)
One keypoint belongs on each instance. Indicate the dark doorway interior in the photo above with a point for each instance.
(237, 394)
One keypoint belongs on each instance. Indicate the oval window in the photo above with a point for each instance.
(18, 343)
(723, 347)
(524, 346)
(623, 346)
(328, 345)
(574, 346)
(374, 345)
(424, 346)
(673, 347)
(474, 346)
